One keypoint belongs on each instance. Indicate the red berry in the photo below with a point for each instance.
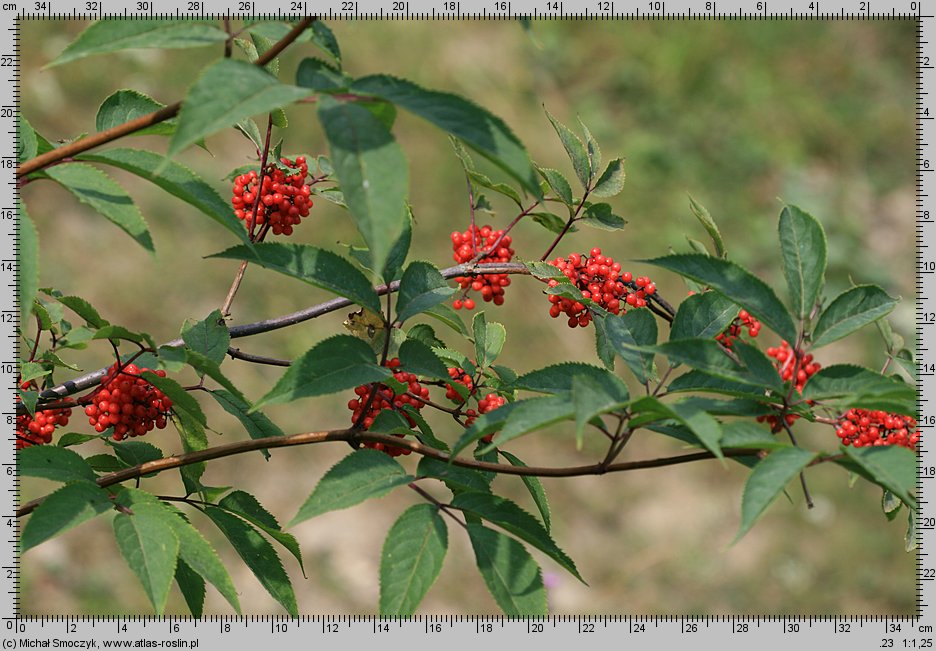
(466, 246)
(283, 199)
(387, 398)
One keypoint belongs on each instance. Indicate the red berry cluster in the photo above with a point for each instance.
(128, 403)
(600, 279)
(786, 361)
(284, 200)
(37, 430)
(469, 244)
(488, 403)
(386, 398)
(459, 375)
(863, 427)
(733, 331)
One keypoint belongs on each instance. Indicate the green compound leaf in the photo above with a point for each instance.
(558, 183)
(475, 126)
(558, 379)
(112, 35)
(511, 574)
(335, 364)
(27, 142)
(849, 311)
(27, 263)
(526, 416)
(735, 282)
(513, 519)
(456, 478)
(69, 506)
(803, 249)
(256, 423)
(147, 540)
(258, 554)
(312, 265)
(176, 179)
(192, 587)
(599, 215)
(360, 476)
(372, 171)
(422, 287)
(94, 188)
(416, 357)
(709, 225)
(411, 559)
(767, 481)
(226, 93)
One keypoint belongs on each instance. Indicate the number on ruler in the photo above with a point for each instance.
(865, 6)
(814, 7)
(762, 6)
(655, 5)
(144, 5)
(604, 5)
(92, 5)
(710, 6)
(449, 6)
(245, 5)
(791, 627)
(398, 5)
(7, 61)
(552, 6)
(500, 6)
(347, 5)
(297, 6)
(196, 5)
(43, 6)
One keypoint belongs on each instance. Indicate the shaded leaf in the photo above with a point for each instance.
(411, 559)
(767, 481)
(534, 485)
(511, 574)
(709, 225)
(421, 287)
(849, 311)
(611, 181)
(803, 250)
(69, 506)
(52, 462)
(210, 337)
(703, 315)
(575, 149)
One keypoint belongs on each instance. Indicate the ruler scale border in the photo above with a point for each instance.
(907, 632)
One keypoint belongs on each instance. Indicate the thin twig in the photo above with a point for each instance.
(237, 353)
(148, 120)
(445, 508)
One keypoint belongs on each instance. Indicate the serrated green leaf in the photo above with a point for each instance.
(27, 263)
(29, 371)
(515, 520)
(847, 385)
(258, 554)
(335, 364)
(893, 467)
(27, 143)
(416, 357)
(246, 506)
(526, 416)
(199, 556)
(193, 437)
(558, 183)
(323, 37)
(192, 588)
(703, 315)
(124, 105)
(511, 574)
(534, 486)
(83, 309)
(411, 559)
(709, 225)
(803, 251)
(746, 434)
(500, 188)
(182, 400)
(118, 333)
(447, 315)
(74, 438)
(320, 76)
(421, 288)
(590, 399)
(611, 181)
(112, 35)
(176, 179)
(105, 463)
(849, 311)
(599, 215)
(210, 337)
(94, 188)
(629, 334)
(551, 222)
(736, 283)
(489, 339)
(148, 542)
(767, 481)
(372, 171)
(362, 475)
(477, 127)
(575, 149)
(456, 478)
(312, 265)
(704, 428)
(256, 423)
(52, 462)
(227, 92)
(69, 506)
(558, 379)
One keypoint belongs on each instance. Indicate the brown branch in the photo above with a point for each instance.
(144, 121)
(356, 436)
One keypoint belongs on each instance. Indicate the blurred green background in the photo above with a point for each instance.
(742, 115)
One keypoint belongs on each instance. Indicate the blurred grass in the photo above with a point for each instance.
(741, 115)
